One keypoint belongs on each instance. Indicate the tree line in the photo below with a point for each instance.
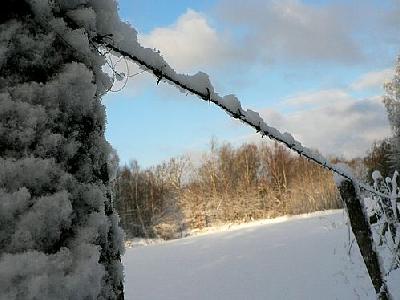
(232, 184)
(228, 184)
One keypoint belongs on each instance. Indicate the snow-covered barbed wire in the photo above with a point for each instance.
(200, 85)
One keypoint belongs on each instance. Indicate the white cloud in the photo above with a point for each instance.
(292, 30)
(333, 120)
(322, 97)
(372, 80)
(340, 128)
(300, 31)
(188, 44)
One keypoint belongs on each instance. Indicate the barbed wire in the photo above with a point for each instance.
(243, 118)
(116, 75)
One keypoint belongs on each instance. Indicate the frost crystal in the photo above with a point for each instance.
(59, 234)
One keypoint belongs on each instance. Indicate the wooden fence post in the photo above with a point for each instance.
(363, 234)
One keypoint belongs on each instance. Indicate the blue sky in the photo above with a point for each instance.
(313, 68)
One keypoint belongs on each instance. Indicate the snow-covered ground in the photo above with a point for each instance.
(303, 257)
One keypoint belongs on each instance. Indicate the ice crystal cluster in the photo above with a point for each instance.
(59, 233)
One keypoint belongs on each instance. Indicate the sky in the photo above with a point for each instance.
(315, 69)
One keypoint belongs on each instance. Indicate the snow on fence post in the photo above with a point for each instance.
(362, 232)
(59, 232)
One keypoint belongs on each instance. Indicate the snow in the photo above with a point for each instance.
(303, 257)
(343, 167)
(59, 236)
(232, 103)
(41, 196)
(376, 175)
(394, 194)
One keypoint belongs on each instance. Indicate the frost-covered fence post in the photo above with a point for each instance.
(59, 233)
(363, 234)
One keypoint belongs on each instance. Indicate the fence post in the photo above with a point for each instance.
(363, 234)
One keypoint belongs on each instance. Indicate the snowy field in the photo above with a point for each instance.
(303, 257)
